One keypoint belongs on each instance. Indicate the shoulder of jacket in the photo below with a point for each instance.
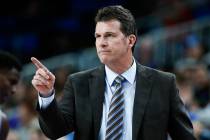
(85, 73)
(159, 73)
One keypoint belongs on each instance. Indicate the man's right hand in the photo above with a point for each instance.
(43, 80)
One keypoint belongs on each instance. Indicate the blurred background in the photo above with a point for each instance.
(173, 35)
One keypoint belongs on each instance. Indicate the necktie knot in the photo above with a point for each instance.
(118, 80)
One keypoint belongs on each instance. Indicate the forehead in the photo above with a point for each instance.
(108, 26)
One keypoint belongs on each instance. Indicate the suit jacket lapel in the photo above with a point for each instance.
(97, 88)
(142, 94)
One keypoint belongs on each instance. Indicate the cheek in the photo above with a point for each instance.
(97, 45)
(97, 50)
(97, 41)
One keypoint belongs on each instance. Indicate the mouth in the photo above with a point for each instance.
(104, 51)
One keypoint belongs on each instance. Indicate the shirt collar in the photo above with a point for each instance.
(129, 74)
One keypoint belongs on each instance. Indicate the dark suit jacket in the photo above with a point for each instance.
(158, 109)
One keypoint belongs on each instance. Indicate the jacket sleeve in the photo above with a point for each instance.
(180, 126)
(57, 119)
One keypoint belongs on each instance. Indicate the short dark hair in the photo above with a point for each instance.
(9, 61)
(123, 15)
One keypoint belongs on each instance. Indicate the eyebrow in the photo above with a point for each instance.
(105, 33)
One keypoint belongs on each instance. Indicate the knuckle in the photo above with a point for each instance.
(33, 82)
(38, 71)
(36, 77)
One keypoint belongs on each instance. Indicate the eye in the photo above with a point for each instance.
(109, 35)
(13, 82)
(97, 36)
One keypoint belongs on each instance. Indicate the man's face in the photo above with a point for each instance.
(111, 44)
(9, 80)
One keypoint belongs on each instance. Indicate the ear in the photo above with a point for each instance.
(132, 40)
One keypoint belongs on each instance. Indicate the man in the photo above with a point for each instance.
(10, 69)
(120, 100)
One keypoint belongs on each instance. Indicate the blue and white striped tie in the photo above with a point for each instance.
(115, 123)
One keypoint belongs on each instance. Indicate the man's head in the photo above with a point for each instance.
(115, 34)
(119, 13)
(10, 69)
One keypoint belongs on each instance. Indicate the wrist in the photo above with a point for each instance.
(47, 95)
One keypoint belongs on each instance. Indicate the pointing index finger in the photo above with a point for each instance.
(37, 63)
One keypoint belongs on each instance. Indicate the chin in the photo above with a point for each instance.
(104, 60)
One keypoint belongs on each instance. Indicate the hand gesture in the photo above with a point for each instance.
(43, 80)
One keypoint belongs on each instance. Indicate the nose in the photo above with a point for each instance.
(102, 42)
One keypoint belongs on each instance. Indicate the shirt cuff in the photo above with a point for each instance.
(45, 101)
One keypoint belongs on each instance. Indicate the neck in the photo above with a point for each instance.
(122, 66)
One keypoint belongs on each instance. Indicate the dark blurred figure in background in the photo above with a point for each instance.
(10, 68)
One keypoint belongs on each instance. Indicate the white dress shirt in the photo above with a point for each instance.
(129, 92)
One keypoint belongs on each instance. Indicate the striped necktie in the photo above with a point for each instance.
(115, 123)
